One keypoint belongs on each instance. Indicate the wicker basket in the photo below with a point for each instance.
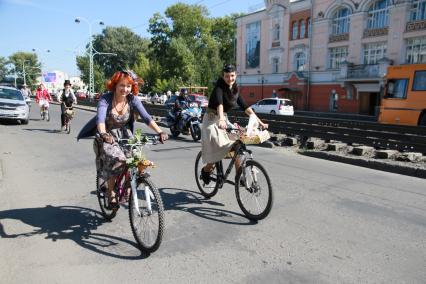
(256, 139)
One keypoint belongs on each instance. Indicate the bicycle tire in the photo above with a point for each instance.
(206, 190)
(47, 116)
(103, 202)
(68, 127)
(254, 191)
(158, 219)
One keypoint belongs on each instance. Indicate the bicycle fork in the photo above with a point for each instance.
(148, 194)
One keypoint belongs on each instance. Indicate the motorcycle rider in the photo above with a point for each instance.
(180, 103)
(66, 98)
(42, 98)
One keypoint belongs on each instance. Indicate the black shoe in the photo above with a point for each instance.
(205, 176)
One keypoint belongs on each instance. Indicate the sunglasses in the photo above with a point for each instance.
(131, 74)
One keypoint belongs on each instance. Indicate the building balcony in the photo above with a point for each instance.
(415, 26)
(363, 71)
(338, 37)
(376, 32)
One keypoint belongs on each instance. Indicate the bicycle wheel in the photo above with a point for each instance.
(68, 127)
(147, 224)
(101, 188)
(47, 115)
(254, 190)
(207, 190)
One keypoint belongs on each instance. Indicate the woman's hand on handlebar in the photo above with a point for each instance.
(222, 124)
(163, 137)
(107, 138)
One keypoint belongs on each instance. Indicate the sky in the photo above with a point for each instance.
(48, 26)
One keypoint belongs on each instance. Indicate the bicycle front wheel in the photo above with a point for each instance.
(146, 214)
(210, 189)
(254, 190)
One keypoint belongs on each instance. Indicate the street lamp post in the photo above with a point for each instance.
(262, 80)
(92, 52)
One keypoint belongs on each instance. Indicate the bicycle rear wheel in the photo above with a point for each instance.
(68, 125)
(47, 115)
(101, 188)
(254, 190)
(207, 190)
(147, 224)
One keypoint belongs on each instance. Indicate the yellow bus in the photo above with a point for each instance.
(404, 98)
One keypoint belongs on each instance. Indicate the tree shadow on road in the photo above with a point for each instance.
(68, 223)
(195, 203)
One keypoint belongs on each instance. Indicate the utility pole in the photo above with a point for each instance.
(92, 52)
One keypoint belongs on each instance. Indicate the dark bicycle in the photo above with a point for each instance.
(253, 187)
(146, 211)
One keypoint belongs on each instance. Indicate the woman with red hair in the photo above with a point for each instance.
(115, 119)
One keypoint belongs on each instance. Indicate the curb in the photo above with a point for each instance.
(372, 164)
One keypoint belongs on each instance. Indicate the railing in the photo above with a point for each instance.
(363, 71)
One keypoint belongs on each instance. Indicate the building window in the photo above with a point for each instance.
(418, 10)
(373, 52)
(275, 65)
(302, 29)
(416, 50)
(309, 27)
(340, 24)
(253, 45)
(300, 61)
(276, 33)
(337, 56)
(295, 33)
(378, 14)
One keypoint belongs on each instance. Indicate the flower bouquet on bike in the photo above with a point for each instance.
(134, 187)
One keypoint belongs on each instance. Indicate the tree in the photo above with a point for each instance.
(4, 71)
(99, 77)
(29, 62)
(224, 31)
(120, 40)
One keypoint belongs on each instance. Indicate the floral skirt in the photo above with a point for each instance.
(111, 158)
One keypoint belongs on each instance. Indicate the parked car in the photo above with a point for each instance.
(200, 99)
(274, 106)
(13, 105)
(155, 99)
(81, 95)
(171, 101)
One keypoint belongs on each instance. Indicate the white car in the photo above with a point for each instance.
(274, 106)
(143, 97)
(13, 105)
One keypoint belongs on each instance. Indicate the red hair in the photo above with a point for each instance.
(119, 75)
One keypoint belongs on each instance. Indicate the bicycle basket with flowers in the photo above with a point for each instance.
(138, 159)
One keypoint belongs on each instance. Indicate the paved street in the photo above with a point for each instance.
(331, 222)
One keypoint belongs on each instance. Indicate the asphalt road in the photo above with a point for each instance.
(331, 222)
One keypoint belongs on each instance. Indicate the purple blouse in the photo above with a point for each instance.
(105, 102)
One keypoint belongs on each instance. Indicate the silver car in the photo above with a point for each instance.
(13, 105)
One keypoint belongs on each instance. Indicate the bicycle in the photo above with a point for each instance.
(146, 210)
(45, 111)
(251, 181)
(69, 114)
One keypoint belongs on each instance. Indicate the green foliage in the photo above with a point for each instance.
(29, 62)
(137, 154)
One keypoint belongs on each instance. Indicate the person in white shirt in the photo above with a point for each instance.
(67, 98)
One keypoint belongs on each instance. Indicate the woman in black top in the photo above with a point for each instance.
(215, 141)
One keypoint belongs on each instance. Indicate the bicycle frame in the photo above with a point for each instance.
(240, 151)
(131, 174)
